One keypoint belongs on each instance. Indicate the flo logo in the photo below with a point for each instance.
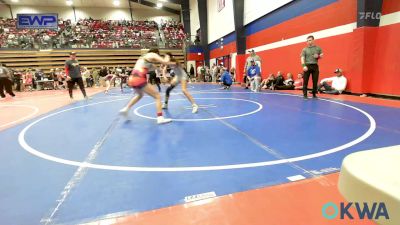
(364, 210)
(370, 15)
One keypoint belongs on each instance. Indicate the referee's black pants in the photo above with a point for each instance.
(5, 83)
(314, 70)
(71, 84)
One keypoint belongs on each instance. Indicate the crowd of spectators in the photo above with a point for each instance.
(213, 74)
(35, 79)
(90, 33)
(174, 34)
(279, 82)
(56, 79)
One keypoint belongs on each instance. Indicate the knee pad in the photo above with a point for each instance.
(169, 89)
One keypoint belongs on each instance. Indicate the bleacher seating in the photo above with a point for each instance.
(89, 33)
(98, 43)
(174, 34)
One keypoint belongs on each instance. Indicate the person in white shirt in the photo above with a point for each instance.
(197, 75)
(337, 86)
(85, 76)
(214, 72)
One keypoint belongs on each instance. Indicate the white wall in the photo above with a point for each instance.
(103, 13)
(220, 23)
(194, 18)
(4, 11)
(212, 62)
(233, 60)
(63, 12)
(153, 14)
(95, 13)
(254, 9)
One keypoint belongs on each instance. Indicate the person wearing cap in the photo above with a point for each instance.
(253, 56)
(73, 73)
(254, 76)
(337, 86)
(309, 60)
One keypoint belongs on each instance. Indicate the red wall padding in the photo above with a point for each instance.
(228, 49)
(336, 14)
(240, 61)
(359, 63)
(287, 59)
(390, 6)
(195, 57)
(385, 75)
(368, 56)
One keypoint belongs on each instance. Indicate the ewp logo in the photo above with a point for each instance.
(37, 21)
(363, 210)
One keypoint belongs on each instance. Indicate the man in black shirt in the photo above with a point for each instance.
(73, 72)
(5, 81)
(191, 71)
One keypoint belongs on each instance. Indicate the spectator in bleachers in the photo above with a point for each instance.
(89, 33)
(333, 85)
(174, 34)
